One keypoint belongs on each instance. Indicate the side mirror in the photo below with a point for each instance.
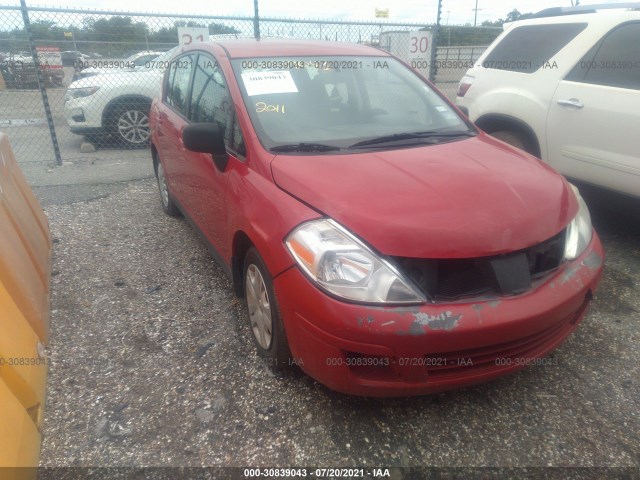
(207, 138)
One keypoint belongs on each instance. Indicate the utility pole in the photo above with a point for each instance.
(433, 71)
(475, 20)
(41, 84)
(256, 20)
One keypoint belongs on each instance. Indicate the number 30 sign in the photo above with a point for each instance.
(188, 35)
(419, 45)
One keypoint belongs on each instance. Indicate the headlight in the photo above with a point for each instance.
(579, 231)
(80, 92)
(342, 265)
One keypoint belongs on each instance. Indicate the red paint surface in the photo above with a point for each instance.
(322, 330)
(470, 198)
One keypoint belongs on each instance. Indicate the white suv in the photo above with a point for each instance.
(565, 86)
(115, 106)
(136, 61)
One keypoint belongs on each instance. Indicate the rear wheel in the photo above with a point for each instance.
(264, 315)
(168, 206)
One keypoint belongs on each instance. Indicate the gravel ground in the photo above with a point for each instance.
(152, 365)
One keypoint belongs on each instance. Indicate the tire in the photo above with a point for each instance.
(514, 139)
(169, 207)
(263, 313)
(129, 123)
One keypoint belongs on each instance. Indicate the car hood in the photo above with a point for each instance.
(469, 198)
(119, 78)
(103, 71)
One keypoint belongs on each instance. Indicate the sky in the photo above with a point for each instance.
(454, 12)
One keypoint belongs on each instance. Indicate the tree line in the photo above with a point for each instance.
(512, 16)
(110, 37)
(117, 36)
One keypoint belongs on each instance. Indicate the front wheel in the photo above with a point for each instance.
(515, 139)
(264, 315)
(129, 124)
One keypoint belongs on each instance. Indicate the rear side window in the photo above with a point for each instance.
(614, 61)
(526, 49)
(178, 84)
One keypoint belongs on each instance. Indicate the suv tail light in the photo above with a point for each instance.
(464, 85)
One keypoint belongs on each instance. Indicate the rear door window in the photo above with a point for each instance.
(526, 49)
(614, 61)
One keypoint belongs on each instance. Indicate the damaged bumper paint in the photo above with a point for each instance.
(395, 351)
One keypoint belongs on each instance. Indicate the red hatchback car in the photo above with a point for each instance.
(382, 242)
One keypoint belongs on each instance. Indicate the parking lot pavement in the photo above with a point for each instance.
(152, 364)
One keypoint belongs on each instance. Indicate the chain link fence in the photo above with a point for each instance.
(96, 72)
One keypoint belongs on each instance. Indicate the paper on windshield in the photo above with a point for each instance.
(262, 83)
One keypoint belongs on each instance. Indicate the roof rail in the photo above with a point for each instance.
(559, 11)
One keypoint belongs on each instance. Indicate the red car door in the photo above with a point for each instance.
(172, 118)
(205, 184)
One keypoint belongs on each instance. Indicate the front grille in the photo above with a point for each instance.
(510, 274)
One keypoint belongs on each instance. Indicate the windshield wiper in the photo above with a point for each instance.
(398, 137)
(304, 147)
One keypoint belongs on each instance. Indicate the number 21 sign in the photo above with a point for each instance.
(188, 35)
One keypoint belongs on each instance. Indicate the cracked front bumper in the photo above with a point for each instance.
(397, 351)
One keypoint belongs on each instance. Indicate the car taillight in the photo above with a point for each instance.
(464, 85)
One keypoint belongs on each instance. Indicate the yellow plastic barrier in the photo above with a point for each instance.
(25, 272)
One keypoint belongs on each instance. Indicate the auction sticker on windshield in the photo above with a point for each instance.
(261, 83)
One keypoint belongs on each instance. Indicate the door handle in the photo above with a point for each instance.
(572, 102)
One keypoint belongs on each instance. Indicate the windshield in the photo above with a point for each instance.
(336, 103)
